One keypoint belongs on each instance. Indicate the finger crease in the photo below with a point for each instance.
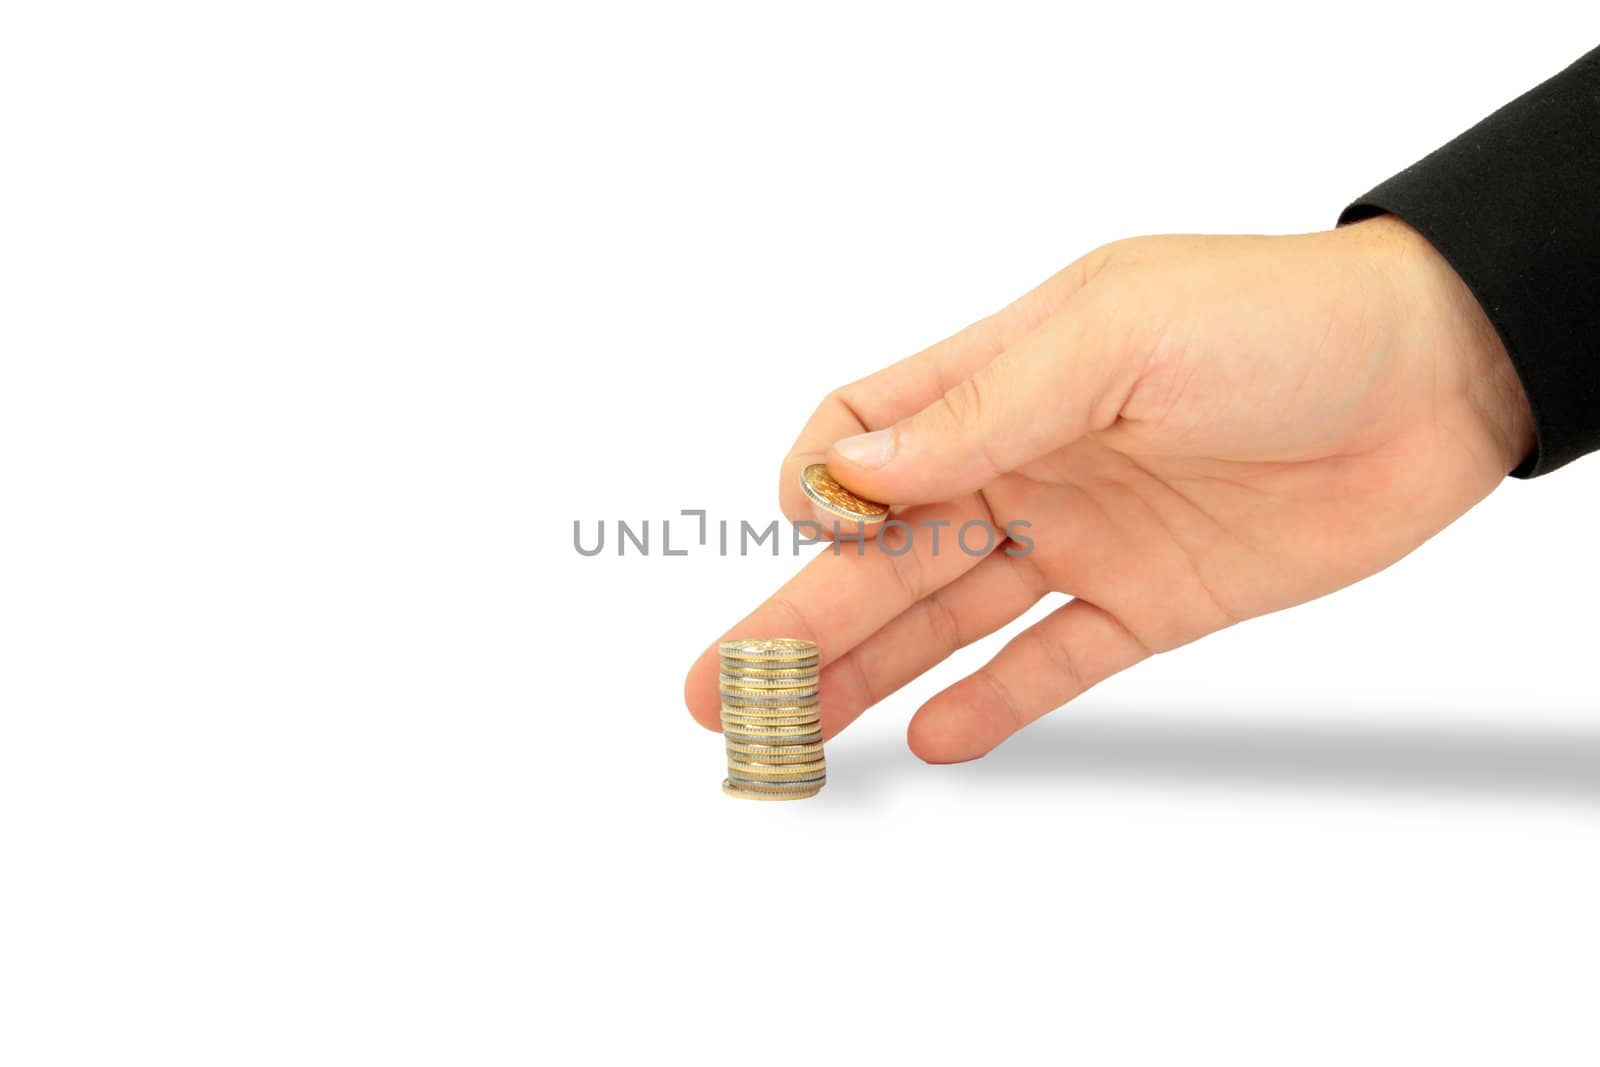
(807, 631)
(1003, 695)
(946, 630)
(908, 569)
(1060, 655)
(863, 683)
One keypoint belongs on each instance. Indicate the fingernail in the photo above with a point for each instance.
(870, 450)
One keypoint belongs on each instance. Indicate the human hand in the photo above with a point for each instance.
(1199, 430)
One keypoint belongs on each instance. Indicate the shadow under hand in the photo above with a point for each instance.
(1499, 762)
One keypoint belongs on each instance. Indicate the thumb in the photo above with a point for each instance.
(1045, 391)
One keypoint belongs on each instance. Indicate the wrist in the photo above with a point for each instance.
(1470, 361)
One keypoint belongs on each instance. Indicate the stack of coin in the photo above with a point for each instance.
(770, 719)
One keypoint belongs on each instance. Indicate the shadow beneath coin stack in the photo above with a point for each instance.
(1499, 762)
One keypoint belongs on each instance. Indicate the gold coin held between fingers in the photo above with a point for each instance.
(835, 499)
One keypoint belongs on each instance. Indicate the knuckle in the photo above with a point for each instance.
(966, 406)
(840, 400)
(908, 569)
(965, 402)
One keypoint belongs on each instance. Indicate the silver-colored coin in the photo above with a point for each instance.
(741, 695)
(763, 711)
(751, 733)
(774, 784)
(777, 720)
(766, 666)
(733, 790)
(767, 647)
(772, 761)
(787, 676)
(788, 735)
(770, 697)
(739, 682)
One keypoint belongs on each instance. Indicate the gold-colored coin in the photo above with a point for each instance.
(776, 676)
(835, 499)
(790, 734)
(734, 665)
(733, 790)
(760, 675)
(760, 752)
(743, 669)
(772, 770)
(762, 724)
(746, 681)
(781, 682)
(758, 715)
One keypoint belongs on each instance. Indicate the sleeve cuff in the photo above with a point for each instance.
(1513, 205)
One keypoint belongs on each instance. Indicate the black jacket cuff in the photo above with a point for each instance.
(1513, 205)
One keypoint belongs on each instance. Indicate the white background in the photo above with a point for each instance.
(320, 323)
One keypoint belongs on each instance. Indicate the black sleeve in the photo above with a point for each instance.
(1514, 205)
